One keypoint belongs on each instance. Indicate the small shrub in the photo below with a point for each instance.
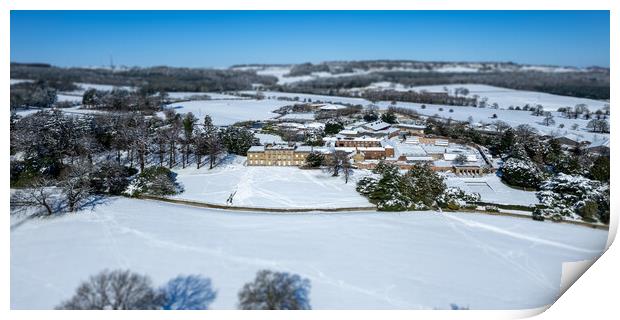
(158, 181)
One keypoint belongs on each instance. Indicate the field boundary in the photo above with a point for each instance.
(262, 209)
(343, 209)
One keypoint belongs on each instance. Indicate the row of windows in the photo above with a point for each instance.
(277, 156)
(275, 163)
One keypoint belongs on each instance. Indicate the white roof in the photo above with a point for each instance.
(256, 149)
(345, 132)
(332, 107)
(362, 149)
(377, 125)
(419, 158)
(412, 140)
(412, 126)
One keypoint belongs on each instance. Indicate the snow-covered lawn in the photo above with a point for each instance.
(227, 112)
(268, 187)
(492, 189)
(353, 260)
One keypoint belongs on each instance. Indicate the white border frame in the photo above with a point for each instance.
(593, 296)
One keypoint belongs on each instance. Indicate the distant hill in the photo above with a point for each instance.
(332, 77)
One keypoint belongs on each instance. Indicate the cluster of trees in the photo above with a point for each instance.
(571, 183)
(574, 197)
(417, 189)
(581, 111)
(418, 97)
(119, 99)
(126, 290)
(454, 199)
(305, 69)
(333, 127)
(336, 163)
(531, 161)
(50, 148)
(152, 79)
(38, 94)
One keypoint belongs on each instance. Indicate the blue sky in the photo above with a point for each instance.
(223, 38)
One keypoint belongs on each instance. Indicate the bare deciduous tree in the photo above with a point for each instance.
(75, 185)
(115, 290)
(192, 292)
(275, 291)
(39, 193)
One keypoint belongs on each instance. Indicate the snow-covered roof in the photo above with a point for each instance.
(256, 149)
(411, 126)
(362, 149)
(364, 138)
(348, 132)
(412, 140)
(313, 149)
(332, 107)
(377, 125)
(599, 143)
(419, 158)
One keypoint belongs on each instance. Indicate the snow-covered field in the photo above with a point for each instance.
(71, 110)
(312, 97)
(70, 97)
(268, 187)
(212, 95)
(511, 117)
(16, 81)
(227, 112)
(509, 97)
(492, 189)
(282, 70)
(354, 260)
(103, 87)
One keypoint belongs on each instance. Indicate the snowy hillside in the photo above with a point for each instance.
(509, 97)
(358, 68)
(511, 117)
(354, 260)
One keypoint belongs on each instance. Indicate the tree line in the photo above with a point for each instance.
(126, 290)
(154, 79)
(592, 84)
